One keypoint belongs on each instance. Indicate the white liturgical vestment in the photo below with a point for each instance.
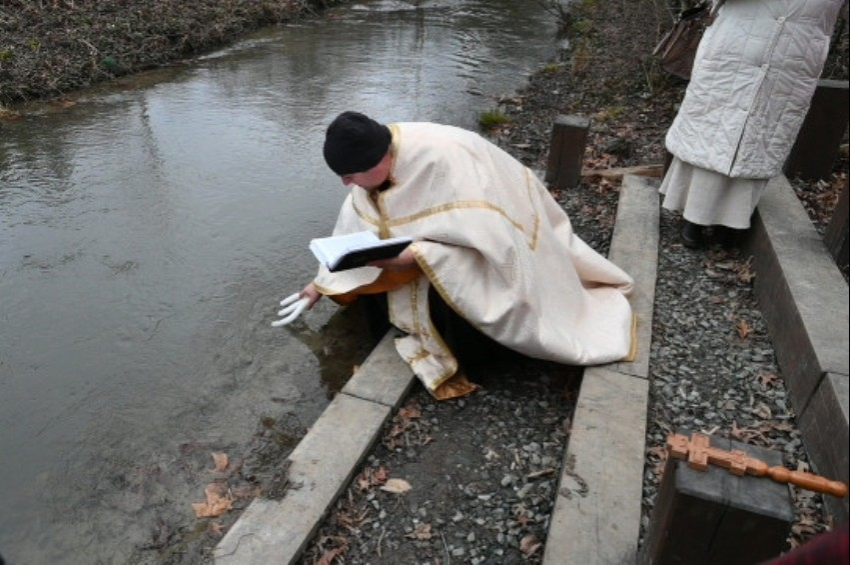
(497, 247)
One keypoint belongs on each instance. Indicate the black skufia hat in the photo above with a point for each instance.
(355, 143)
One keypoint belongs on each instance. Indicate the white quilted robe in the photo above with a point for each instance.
(497, 247)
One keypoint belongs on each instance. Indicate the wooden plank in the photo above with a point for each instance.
(712, 516)
(566, 151)
(654, 171)
(596, 518)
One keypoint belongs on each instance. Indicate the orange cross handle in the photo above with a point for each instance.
(699, 454)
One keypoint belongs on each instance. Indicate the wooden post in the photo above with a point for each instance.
(566, 151)
(816, 148)
(835, 237)
(716, 517)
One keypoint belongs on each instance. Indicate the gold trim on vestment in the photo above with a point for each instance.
(633, 348)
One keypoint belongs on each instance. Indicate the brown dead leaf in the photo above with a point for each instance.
(529, 545)
(409, 412)
(780, 426)
(371, 477)
(762, 411)
(421, 532)
(521, 515)
(221, 461)
(215, 529)
(396, 486)
(744, 329)
(328, 557)
(748, 435)
(218, 501)
(768, 379)
(745, 271)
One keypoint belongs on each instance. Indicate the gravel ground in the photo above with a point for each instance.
(482, 471)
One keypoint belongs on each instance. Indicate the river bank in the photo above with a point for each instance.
(49, 49)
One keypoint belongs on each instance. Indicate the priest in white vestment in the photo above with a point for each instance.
(488, 238)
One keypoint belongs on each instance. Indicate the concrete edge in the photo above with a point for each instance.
(826, 430)
(634, 248)
(804, 299)
(801, 291)
(597, 513)
(322, 465)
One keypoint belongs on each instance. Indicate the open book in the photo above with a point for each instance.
(342, 252)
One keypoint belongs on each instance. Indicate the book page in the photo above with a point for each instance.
(330, 249)
(355, 250)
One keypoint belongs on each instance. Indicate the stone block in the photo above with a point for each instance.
(824, 425)
(634, 248)
(596, 518)
(383, 377)
(801, 291)
(322, 465)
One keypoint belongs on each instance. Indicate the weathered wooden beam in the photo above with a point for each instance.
(566, 151)
(653, 171)
(836, 232)
(712, 516)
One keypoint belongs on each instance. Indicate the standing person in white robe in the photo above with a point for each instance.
(754, 75)
(489, 241)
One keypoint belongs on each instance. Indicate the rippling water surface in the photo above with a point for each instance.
(147, 232)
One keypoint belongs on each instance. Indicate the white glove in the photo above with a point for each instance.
(293, 306)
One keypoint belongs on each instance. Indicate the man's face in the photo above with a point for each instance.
(371, 179)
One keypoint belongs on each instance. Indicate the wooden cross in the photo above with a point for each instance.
(699, 454)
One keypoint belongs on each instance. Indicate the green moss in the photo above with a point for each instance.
(492, 119)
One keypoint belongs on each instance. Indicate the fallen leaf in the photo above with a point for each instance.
(215, 529)
(745, 271)
(767, 378)
(220, 460)
(409, 412)
(371, 477)
(529, 544)
(744, 329)
(522, 516)
(422, 531)
(396, 486)
(762, 411)
(218, 501)
(328, 557)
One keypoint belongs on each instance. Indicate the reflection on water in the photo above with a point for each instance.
(148, 232)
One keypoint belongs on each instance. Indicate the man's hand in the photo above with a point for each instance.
(296, 303)
(405, 261)
(311, 294)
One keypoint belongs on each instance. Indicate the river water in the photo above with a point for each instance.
(149, 230)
